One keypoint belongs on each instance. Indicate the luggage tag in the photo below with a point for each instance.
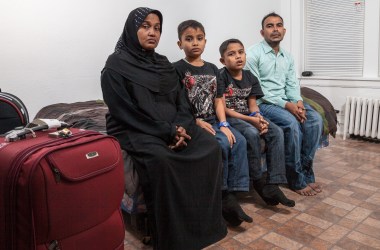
(63, 133)
(46, 123)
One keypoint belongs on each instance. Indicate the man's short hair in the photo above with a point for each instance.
(273, 14)
(223, 47)
(189, 24)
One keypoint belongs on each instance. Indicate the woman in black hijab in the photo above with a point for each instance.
(179, 165)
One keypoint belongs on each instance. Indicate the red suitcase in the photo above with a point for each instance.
(61, 193)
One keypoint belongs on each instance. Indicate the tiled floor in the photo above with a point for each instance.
(346, 215)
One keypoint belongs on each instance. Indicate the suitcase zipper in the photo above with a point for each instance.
(54, 245)
(13, 175)
(57, 174)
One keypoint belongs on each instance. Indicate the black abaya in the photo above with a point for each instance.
(181, 187)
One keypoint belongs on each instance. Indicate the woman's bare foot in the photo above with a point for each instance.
(316, 187)
(307, 191)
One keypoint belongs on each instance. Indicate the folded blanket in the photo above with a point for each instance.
(321, 111)
(86, 115)
(329, 112)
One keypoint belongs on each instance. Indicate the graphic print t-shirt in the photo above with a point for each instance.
(237, 92)
(201, 86)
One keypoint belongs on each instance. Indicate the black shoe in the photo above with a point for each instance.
(274, 192)
(232, 212)
(259, 185)
(231, 219)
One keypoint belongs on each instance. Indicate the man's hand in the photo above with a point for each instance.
(301, 110)
(231, 138)
(180, 138)
(298, 110)
(206, 126)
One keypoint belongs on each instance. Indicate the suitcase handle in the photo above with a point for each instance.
(19, 134)
(30, 128)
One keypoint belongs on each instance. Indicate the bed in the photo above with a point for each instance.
(91, 115)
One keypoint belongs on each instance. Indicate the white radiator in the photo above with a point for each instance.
(361, 117)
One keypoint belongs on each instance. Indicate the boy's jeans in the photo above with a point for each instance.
(235, 163)
(301, 142)
(274, 155)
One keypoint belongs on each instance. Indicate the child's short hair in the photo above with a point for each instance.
(189, 24)
(223, 47)
(272, 14)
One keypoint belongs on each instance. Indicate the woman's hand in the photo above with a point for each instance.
(180, 139)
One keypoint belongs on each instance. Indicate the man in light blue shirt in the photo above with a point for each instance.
(282, 104)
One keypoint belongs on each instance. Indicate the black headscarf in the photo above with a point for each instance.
(144, 67)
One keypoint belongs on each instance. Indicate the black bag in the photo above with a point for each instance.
(13, 112)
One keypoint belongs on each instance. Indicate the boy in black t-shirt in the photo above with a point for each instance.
(200, 80)
(241, 88)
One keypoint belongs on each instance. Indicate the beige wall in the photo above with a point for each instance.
(53, 51)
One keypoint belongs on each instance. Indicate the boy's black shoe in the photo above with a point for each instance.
(259, 186)
(231, 210)
(271, 193)
(274, 192)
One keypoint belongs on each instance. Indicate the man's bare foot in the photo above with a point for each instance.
(307, 191)
(316, 187)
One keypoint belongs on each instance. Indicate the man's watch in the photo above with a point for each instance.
(223, 124)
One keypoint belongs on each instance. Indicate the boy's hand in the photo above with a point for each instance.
(264, 125)
(205, 125)
(231, 138)
(260, 123)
